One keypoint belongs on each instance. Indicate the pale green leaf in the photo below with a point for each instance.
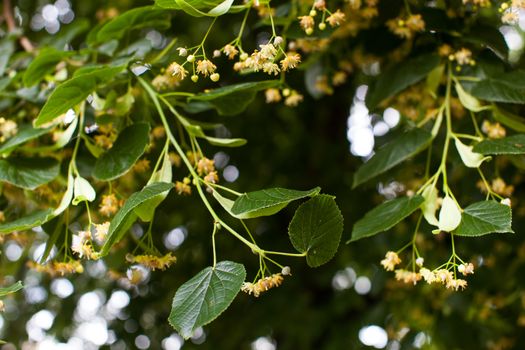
(11, 289)
(27, 222)
(393, 153)
(127, 149)
(485, 217)
(316, 229)
(385, 216)
(44, 64)
(126, 216)
(83, 191)
(204, 297)
(146, 210)
(137, 18)
(267, 202)
(75, 90)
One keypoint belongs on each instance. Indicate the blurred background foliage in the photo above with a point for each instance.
(349, 303)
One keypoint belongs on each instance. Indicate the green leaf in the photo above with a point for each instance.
(393, 153)
(399, 77)
(127, 149)
(316, 229)
(508, 119)
(25, 133)
(75, 90)
(233, 99)
(28, 173)
(267, 202)
(498, 91)
(216, 141)
(137, 18)
(7, 48)
(146, 210)
(44, 64)
(27, 222)
(199, 8)
(11, 289)
(385, 216)
(467, 100)
(204, 297)
(485, 217)
(514, 144)
(126, 216)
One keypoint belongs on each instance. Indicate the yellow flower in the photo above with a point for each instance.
(108, 205)
(390, 261)
(336, 18)
(230, 51)
(294, 99)
(206, 67)
(291, 61)
(415, 23)
(272, 95)
(456, 284)
(271, 68)
(153, 262)
(212, 177)
(177, 71)
(101, 231)
(141, 166)
(205, 166)
(306, 22)
(407, 276)
(262, 285)
(8, 128)
(182, 188)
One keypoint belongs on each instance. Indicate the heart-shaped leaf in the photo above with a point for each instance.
(316, 229)
(127, 149)
(485, 217)
(385, 216)
(204, 297)
(267, 202)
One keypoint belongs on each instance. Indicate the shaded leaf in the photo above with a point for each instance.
(267, 202)
(485, 217)
(25, 133)
(7, 48)
(44, 64)
(316, 229)
(204, 297)
(399, 77)
(385, 216)
(508, 119)
(233, 99)
(75, 90)
(127, 149)
(126, 216)
(27, 222)
(137, 18)
(499, 91)
(393, 153)
(28, 173)
(514, 144)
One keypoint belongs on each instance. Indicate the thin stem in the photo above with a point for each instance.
(215, 225)
(286, 254)
(222, 188)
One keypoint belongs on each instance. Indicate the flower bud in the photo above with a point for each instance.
(322, 26)
(190, 58)
(194, 78)
(215, 77)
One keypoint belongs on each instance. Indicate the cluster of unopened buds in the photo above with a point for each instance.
(441, 275)
(152, 262)
(334, 19)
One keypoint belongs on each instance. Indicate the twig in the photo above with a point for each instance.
(11, 26)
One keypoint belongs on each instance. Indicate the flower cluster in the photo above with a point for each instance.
(292, 98)
(153, 262)
(493, 130)
(56, 268)
(462, 57)
(183, 187)
(406, 27)
(109, 205)
(390, 261)
(8, 129)
(334, 19)
(510, 11)
(82, 245)
(262, 285)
